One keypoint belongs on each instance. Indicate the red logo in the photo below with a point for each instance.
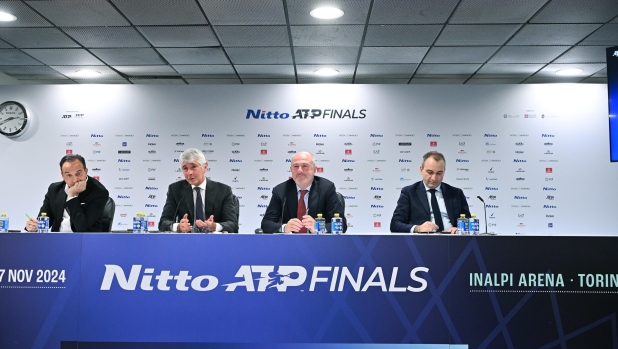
(549, 170)
(264, 152)
(320, 169)
(377, 224)
(69, 151)
(433, 144)
(123, 215)
(150, 224)
(348, 152)
(97, 178)
(525, 116)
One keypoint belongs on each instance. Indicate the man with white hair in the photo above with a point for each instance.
(198, 205)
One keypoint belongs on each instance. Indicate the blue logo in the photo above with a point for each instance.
(123, 197)
(549, 206)
(520, 197)
(318, 135)
(491, 206)
(548, 188)
(544, 135)
(263, 188)
(262, 135)
(346, 160)
(375, 135)
(376, 188)
(235, 160)
(404, 160)
(150, 205)
(432, 135)
(519, 160)
(490, 135)
(349, 197)
(152, 188)
(263, 114)
(491, 188)
(262, 206)
(207, 135)
(148, 135)
(123, 160)
(461, 160)
(96, 136)
(377, 206)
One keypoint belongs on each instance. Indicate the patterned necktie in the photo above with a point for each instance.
(302, 210)
(437, 215)
(199, 206)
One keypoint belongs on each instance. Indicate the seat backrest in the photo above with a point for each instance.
(108, 215)
(236, 206)
(342, 201)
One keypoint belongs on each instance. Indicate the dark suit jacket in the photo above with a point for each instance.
(218, 202)
(85, 211)
(413, 206)
(322, 199)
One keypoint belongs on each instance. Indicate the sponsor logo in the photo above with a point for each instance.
(545, 135)
(347, 144)
(376, 144)
(316, 135)
(406, 144)
(520, 179)
(519, 144)
(492, 197)
(263, 188)
(377, 224)
(151, 205)
(519, 160)
(263, 179)
(549, 189)
(461, 160)
(377, 206)
(433, 144)
(491, 188)
(491, 179)
(491, 170)
(404, 160)
(123, 160)
(487, 135)
(549, 216)
(489, 143)
(319, 169)
(93, 135)
(491, 206)
(549, 197)
(320, 144)
(124, 152)
(348, 151)
(377, 170)
(376, 135)
(549, 170)
(549, 206)
(349, 197)
(377, 197)
(520, 170)
(123, 197)
(462, 144)
(70, 151)
(520, 197)
(235, 160)
(149, 135)
(96, 144)
(347, 160)
(376, 188)
(124, 144)
(548, 144)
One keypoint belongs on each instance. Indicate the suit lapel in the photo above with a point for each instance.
(292, 201)
(187, 193)
(422, 195)
(209, 205)
(314, 198)
(448, 201)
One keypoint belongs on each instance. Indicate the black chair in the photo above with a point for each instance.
(342, 214)
(108, 215)
(236, 206)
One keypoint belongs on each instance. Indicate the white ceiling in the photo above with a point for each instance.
(277, 41)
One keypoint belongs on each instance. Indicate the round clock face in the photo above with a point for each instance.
(13, 119)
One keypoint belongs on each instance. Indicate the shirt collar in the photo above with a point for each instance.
(203, 185)
(438, 189)
(308, 188)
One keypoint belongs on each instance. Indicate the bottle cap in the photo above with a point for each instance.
(474, 215)
(336, 214)
(462, 215)
(43, 214)
(319, 215)
(3, 214)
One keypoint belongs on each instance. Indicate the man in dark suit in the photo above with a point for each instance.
(197, 204)
(429, 205)
(296, 202)
(76, 204)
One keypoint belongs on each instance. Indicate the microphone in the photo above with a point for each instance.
(282, 210)
(485, 209)
(176, 211)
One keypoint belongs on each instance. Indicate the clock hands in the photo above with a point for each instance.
(9, 119)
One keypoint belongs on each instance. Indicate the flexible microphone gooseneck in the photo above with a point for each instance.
(485, 209)
(176, 211)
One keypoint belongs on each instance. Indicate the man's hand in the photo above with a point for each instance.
(453, 230)
(427, 227)
(184, 226)
(77, 188)
(293, 225)
(309, 223)
(32, 225)
(208, 224)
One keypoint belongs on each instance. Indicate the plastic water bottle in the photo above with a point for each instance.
(4, 223)
(336, 224)
(144, 222)
(320, 224)
(474, 225)
(462, 225)
(137, 223)
(43, 226)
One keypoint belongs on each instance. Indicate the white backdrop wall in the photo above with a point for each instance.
(537, 154)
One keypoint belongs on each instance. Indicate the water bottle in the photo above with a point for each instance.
(137, 223)
(43, 226)
(462, 225)
(336, 224)
(474, 225)
(4, 223)
(320, 224)
(144, 222)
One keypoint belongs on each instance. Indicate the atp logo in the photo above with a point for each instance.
(285, 276)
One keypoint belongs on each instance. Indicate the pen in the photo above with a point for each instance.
(27, 216)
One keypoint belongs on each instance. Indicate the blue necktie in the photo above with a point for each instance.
(199, 206)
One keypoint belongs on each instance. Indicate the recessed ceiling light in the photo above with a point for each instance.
(7, 17)
(326, 13)
(570, 71)
(326, 72)
(87, 74)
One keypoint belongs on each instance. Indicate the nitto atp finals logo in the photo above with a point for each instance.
(307, 113)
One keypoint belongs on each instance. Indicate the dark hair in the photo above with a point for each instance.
(435, 155)
(71, 158)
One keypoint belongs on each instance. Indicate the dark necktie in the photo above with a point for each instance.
(302, 210)
(199, 206)
(437, 215)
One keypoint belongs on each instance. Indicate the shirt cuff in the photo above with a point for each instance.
(175, 226)
(219, 227)
(282, 229)
(412, 230)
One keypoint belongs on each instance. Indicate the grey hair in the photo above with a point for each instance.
(306, 152)
(191, 155)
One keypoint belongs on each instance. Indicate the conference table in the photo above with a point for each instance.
(307, 291)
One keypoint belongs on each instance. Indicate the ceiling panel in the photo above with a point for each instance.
(161, 81)
(584, 54)
(308, 71)
(265, 71)
(495, 11)
(82, 13)
(268, 81)
(71, 72)
(606, 36)
(204, 69)
(146, 70)
(476, 35)
(486, 81)
(36, 38)
(327, 35)
(161, 12)
(550, 80)
(238, 12)
(19, 71)
(528, 54)
(577, 11)
(128, 56)
(250, 35)
(4, 44)
(325, 81)
(460, 54)
(437, 80)
(504, 70)
(325, 55)
(552, 34)
(102, 82)
(401, 35)
(175, 36)
(380, 81)
(355, 11)
(101, 37)
(411, 11)
(69, 56)
(393, 54)
(213, 81)
(26, 17)
(593, 80)
(601, 73)
(16, 57)
(205, 55)
(447, 69)
(551, 69)
(260, 55)
(389, 71)
(46, 82)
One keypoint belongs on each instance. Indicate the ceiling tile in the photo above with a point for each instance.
(325, 55)
(102, 82)
(476, 35)
(437, 81)
(551, 69)
(527, 54)
(549, 80)
(601, 73)
(606, 36)
(26, 17)
(146, 70)
(260, 55)
(327, 35)
(18, 71)
(325, 81)
(486, 81)
(36, 38)
(388, 71)
(225, 12)
(268, 81)
(388, 81)
(194, 55)
(593, 80)
(584, 54)
(478, 54)
(250, 35)
(308, 71)
(393, 54)
(213, 81)
(411, 11)
(70, 72)
(506, 70)
(16, 57)
(128, 56)
(495, 11)
(447, 69)
(355, 11)
(265, 71)
(190, 36)
(77, 13)
(4, 44)
(46, 82)
(101, 37)
(67, 56)
(205, 69)
(577, 11)
(401, 35)
(552, 34)
(161, 12)
(163, 81)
